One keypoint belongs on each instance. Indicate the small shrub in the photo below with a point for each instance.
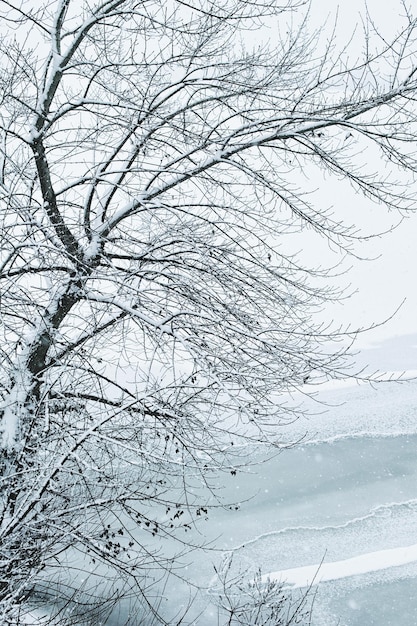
(258, 601)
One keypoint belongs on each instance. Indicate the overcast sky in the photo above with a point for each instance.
(385, 282)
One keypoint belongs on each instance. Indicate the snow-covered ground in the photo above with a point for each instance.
(364, 564)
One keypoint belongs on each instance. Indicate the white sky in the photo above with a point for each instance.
(383, 283)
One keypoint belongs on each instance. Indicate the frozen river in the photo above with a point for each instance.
(330, 503)
(338, 509)
(346, 498)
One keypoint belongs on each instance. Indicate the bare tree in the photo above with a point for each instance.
(151, 306)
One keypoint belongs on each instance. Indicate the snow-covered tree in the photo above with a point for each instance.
(152, 306)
